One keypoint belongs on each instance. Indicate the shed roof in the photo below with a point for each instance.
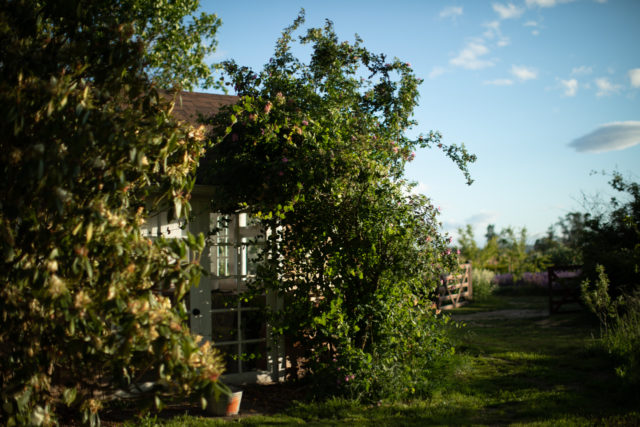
(189, 105)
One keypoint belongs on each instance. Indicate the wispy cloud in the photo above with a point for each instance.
(545, 3)
(478, 222)
(524, 73)
(581, 70)
(533, 24)
(634, 76)
(451, 12)
(482, 218)
(570, 87)
(499, 82)
(507, 11)
(609, 137)
(471, 56)
(493, 29)
(605, 87)
(437, 71)
(493, 32)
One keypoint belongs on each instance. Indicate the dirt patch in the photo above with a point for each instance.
(257, 399)
(501, 314)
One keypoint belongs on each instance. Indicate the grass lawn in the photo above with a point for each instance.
(515, 365)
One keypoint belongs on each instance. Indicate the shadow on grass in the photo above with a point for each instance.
(540, 370)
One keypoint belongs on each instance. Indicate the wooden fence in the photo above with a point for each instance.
(455, 290)
(564, 286)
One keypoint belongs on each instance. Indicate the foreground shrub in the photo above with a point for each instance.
(87, 144)
(620, 324)
(623, 341)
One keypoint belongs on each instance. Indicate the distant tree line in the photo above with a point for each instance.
(609, 237)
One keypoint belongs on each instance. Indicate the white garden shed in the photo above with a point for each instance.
(236, 326)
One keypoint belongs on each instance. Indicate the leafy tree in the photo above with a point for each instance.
(612, 239)
(513, 251)
(491, 232)
(557, 250)
(469, 250)
(87, 145)
(317, 152)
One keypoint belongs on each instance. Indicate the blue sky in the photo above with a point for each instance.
(544, 92)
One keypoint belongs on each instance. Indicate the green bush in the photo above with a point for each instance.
(483, 283)
(318, 152)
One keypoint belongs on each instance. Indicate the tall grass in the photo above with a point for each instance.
(622, 340)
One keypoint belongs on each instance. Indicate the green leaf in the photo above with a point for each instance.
(69, 396)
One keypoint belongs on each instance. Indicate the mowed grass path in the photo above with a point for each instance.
(515, 365)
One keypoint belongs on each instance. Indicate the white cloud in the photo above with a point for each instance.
(499, 82)
(605, 87)
(634, 76)
(581, 70)
(470, 57)
(545, 3)
(541, 3)
(493, 32)
(535, 25)
(436, 71)
(451, 12)
(482, 218)
(570, 87)
(493, 29)
(524, 73)
(609, 137)
(508, 11)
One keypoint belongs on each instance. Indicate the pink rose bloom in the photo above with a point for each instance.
(267, 107)
(305, 123)
(285, 160)
(395, 149)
